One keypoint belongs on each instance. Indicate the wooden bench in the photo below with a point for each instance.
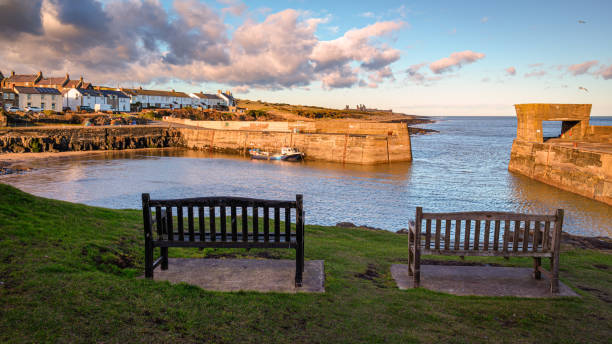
(216, 233)
(487, 234)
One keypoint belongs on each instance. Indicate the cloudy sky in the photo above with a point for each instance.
(428, 58)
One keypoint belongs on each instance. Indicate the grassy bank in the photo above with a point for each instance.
(69, 273)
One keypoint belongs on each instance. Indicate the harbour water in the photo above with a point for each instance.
(462, 168)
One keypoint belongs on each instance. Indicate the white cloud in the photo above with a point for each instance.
(605, 72)
(455, 61)
(582, 68)
(189, 42)
(536, 74)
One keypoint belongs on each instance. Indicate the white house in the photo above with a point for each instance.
(158, 99)
(117, 100)
(75, 98)
(42, 97)
(206, 101)
(227, 98)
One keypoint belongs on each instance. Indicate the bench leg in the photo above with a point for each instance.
(554, 270)
(164, 262)
(417, 268)
(537, 262)
(299, 265)
(148, 260)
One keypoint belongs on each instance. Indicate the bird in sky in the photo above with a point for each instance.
(581, 22)
(583, 89)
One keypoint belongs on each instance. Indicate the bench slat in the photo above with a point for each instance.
(536, 235)
(483, 216)
(287, 223)
(277, 224)
(266, 220)
(484, 253)
(226, 244)
(487, 234)
(158, 222)
(222, 202)
(457, 233)
(447, 233)
(526, 235)
(213, 225)
(477, 235)
(234, 224)
(256, 222)
(496, 235)
(427, 233)
(179, 222)
(169, 223)
(245, 223)
(506, 234)
(515, 239)
(190, 223)
(437, 237)
(223, 222)
(546, 241)
(468, 230)
(201, 221)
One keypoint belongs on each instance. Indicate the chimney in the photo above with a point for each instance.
(140, 87)
(81, 79)
(67, 76)
(12, 73)
(218, 91)
(173, 90)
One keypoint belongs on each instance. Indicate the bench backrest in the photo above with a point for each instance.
(488, 231)
(207, 219)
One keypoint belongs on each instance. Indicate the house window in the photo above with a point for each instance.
(29, 104)
(29, 96)
(42, 106)
(53, 106)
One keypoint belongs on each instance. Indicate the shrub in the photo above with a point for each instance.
(35, 146)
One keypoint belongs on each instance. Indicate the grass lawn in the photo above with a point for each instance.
(70, 273)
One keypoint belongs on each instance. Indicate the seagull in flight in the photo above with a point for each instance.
(581, 22)
(583, 89)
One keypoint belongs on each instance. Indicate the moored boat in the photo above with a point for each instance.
(286, 154)
(291, 154)
(258, 154)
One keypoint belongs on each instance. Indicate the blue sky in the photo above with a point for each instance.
(426, 58)
(521, 34)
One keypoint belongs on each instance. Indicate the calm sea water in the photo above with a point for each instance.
(463, 168)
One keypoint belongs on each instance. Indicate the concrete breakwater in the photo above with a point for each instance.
(579, 160)
(334, 147)
(341, 148)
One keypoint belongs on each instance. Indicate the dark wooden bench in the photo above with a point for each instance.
(214, 210)
(487, 234)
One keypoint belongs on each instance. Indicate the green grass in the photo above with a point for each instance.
(70, 273)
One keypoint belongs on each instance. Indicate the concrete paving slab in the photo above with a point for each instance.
(263, 275)
(479, 280)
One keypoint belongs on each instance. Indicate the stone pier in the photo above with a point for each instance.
(579, 160)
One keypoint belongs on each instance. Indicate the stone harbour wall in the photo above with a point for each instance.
(587, 172)
(40, 139)
(341, 148)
